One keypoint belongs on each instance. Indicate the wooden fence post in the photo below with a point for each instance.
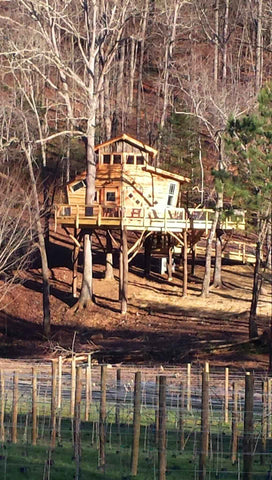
(34, 406)
(204, 446)
(88, 388)
(102, 418)
(226, 402)
(73, 386)
(248, 427)
(2, 415)
(162, 428)
(234, 425)
(118, 401)
(157, 410)
(59, 382)
(264, 421)
(136, 424)
(189, 405)
(269, 407)
(181, 417)
(53, 403)
(14, 408)
(77, 443)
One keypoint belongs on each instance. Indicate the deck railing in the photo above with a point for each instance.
(143, 217)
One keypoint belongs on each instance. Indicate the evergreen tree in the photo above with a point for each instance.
(249, 143)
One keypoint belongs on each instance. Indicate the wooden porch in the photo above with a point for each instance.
(142, 218)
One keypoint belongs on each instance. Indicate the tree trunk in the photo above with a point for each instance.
(225, 40)
(216, 42)
(258, 72)
(140, 70)
(217, 274)
(253, 329)
(45, 270)
(207, 274)
(109, 258)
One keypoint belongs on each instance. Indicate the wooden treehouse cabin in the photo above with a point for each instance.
(131, 194)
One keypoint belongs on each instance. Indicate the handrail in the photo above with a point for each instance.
(143, 216)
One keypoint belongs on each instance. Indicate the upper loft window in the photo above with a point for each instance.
(111, 159)
(79, 185)
(139, 160)
(135, 159)
(106, 159)
(171, 194)
(116, 159)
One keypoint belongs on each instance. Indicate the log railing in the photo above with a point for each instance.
(140, 218)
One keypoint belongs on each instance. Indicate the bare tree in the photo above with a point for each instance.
(95, 28)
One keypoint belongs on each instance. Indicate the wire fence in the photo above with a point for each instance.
(78, 420)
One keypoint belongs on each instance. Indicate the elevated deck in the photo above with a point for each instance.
(139, 219)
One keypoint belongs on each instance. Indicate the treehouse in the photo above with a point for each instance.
(132, 194)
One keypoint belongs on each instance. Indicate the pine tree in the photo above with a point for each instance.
(249, 143)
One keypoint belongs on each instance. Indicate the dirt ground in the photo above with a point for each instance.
(161, 326)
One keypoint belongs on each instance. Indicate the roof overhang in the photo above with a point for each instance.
(164, 173)
(127, 138)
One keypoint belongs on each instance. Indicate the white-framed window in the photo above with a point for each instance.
(171, 194)
(78, 185)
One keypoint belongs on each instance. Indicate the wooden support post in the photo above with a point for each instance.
(121, 268)
(147, 255)
(226, 402)
(2, 414)
(53, 404)
(170, 260)
(77, 442)
(34, 406)
(264, 422)
(204, 446)
(189, 405)
(181, 417)
(73, 386)
(88, 388)
(193, 259)
(14, 408)
(162, 428)
(102, 419)
(136, 424)
(185, 262)
(248, 427)
(234, 424)
(75, 265)
(124, 286)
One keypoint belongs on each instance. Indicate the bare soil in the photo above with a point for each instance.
(161, 326)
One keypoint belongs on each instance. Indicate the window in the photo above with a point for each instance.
(171, 194)
(116, 159)
(110, 196)
(96, 196)
(130, 159)
(79, 185)
(139, 160)
(106, 159)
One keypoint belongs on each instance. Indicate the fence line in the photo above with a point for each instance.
(212, 423)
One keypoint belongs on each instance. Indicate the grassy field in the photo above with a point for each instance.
(41, 462)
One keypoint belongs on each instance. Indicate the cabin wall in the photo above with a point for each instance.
(146, 189)
(128, 186)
